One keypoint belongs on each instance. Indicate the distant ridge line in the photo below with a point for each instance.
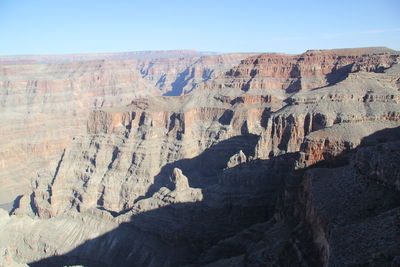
(165, 54)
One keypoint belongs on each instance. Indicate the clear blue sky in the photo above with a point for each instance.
(80, 26)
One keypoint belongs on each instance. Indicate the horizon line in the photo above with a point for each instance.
(187, 50)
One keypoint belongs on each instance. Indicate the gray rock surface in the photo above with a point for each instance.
(236, 159)
(179, 180)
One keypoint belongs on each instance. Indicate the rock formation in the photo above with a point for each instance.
(278, 160)
(179, 180)
(236, 159)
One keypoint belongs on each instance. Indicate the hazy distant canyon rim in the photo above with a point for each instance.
(184, 158)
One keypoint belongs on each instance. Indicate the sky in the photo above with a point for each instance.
(95, 26)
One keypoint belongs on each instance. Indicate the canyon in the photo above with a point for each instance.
(191, 159)
(46, 100)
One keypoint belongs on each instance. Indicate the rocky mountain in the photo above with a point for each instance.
(276, 160)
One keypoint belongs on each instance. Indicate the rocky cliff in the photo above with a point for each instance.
(44, 105)
(276, 161)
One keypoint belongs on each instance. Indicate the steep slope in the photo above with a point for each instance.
(337, 213)
(234, 173)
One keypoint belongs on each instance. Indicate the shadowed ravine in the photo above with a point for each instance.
(178, 233)
(269, 200)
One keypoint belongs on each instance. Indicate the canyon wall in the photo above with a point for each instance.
(44, 105)
(46, 102)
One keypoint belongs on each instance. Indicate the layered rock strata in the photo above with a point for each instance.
(46, 102)
(243, 171)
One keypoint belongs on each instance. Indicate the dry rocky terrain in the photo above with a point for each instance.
(203, 160)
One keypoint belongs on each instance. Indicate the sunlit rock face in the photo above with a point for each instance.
(276, 160)
(45, 100)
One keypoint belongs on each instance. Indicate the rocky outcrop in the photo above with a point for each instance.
(179, 180)
(236, 159)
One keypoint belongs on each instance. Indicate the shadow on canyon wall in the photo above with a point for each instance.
(177, 234)
(233, 199)
(205, 169)
(181, 81)
(334, 77)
